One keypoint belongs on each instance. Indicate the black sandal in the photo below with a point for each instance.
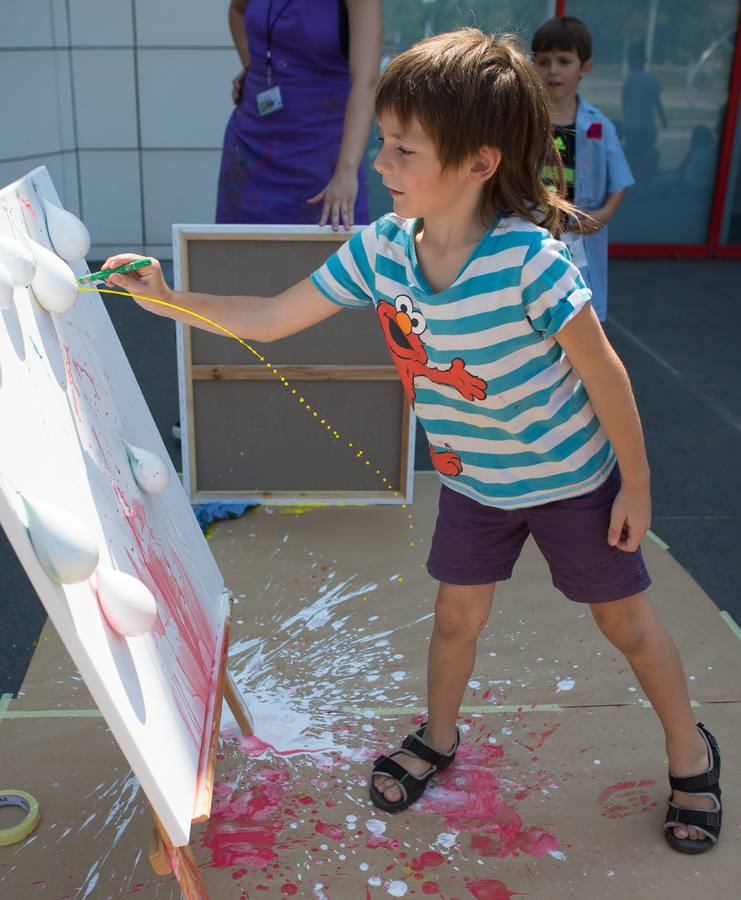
(708, 821)
(411, 786)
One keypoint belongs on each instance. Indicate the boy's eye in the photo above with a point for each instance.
(404, 151)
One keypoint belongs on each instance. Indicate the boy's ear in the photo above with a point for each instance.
(484, 164)
(585, 69)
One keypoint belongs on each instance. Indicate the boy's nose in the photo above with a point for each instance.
(379, 163)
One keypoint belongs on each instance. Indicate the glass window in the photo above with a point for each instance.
(408, 21)
(661, 73)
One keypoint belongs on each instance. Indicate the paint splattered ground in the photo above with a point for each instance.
(558, 789)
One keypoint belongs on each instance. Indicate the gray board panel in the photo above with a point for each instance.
(254, 435)
(265, 268)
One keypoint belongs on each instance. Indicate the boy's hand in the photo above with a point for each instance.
(147, 281)
(630, 519)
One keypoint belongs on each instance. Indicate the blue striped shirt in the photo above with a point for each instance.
(508, 419)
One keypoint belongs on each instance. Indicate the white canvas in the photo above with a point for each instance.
(68, 402)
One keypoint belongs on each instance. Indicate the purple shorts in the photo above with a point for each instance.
(478, 544)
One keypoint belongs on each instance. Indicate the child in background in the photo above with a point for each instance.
(595, 168)
(527, 408)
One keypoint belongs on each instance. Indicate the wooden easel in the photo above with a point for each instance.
(164, 858)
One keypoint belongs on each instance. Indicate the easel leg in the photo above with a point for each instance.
(237, 705)
(164, 858)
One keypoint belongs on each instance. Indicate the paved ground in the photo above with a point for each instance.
(675, 325)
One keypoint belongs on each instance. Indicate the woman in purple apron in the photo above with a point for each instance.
(294, 145)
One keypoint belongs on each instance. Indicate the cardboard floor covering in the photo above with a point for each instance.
(558, 790)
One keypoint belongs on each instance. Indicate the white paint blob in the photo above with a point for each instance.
(18, 260)
(53, 283)
(127, 604)
(396, 888)
(150, 471)
(69, 236)
(66, 547)
(375, 826)
(6, 288)
(565, 684)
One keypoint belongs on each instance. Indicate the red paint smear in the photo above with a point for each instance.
(73, 392)
(242, 830)
(289, 888)
(377, 840)
(539, 738)
(332, 831)
(430, 887)
(184, 634)
(429, 858)
(627, 798)
(468, 797)
(29, 206)
(488, 889)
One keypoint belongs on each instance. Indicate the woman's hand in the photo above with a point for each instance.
(145, 282)
(238, 84)
(630, 519)
(339, 199)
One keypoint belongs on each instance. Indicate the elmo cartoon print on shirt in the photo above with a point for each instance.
(402, 326)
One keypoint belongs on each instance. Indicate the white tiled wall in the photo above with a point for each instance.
(182, 23)
(111, 196)
(105, 98)
(37, 106)
(165, 173)
(100, 23)
(131, 94)
(26, 23)
(185, 96)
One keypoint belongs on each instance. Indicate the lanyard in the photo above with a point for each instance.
(269, 27)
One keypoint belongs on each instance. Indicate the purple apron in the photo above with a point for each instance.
(271, 165)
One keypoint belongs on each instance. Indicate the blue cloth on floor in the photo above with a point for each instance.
(206, 513)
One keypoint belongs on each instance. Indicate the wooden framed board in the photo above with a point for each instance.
(69, 404)
(244, 435)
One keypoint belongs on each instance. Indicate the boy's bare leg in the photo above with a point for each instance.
(631, 626)
(461, 612)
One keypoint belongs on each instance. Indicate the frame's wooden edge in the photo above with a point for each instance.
(197, 232)
(182, 235)
(184, 342)
(206, 766)
(310, 372)
(302, 498)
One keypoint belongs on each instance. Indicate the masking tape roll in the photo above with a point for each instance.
(30, 805)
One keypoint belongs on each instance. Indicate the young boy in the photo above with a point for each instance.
(526, 406)
(595, 168)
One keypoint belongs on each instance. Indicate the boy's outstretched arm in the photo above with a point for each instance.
(610, 393)
(257, 318)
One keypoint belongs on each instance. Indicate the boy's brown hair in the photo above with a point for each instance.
(470, 90)
(563, 33)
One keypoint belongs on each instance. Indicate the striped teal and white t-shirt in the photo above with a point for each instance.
(508, 419)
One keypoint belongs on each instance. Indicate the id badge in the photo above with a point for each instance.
(269, 101)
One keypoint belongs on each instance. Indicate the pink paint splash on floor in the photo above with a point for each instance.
(468, 796)
(627, 798)
(244, 827)
(489, 889)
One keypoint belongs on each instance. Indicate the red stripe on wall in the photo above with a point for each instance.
(723, 171)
